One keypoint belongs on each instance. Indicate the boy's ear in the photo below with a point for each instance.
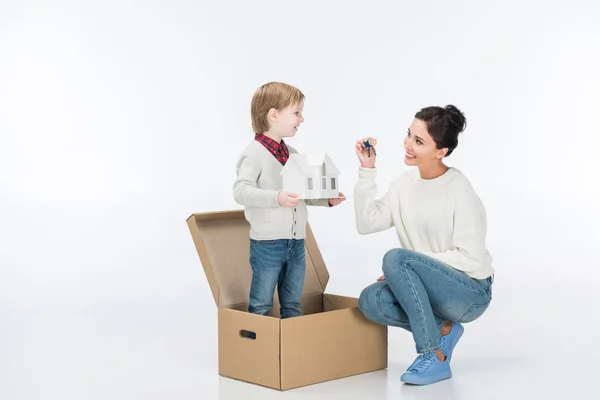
(272, 114)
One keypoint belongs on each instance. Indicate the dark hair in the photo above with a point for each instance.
(443, 124)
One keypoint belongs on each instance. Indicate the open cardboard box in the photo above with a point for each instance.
(331, 340)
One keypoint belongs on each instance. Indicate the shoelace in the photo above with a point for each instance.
(424, 363)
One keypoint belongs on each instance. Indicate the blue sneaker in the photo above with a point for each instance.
(449, 341)
(427, 369)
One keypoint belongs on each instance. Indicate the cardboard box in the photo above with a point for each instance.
(331, 340)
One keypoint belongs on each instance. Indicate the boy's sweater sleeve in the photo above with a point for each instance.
(317, 202)
(470, 224)
(372, 215)
(245, 190)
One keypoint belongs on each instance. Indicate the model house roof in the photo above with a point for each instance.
(306, 163)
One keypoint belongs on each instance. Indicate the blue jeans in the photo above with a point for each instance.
(278, 262)
(419, 293)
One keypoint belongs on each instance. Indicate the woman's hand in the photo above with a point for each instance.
(381, 278)
(366, 157)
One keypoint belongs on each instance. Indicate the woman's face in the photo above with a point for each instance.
(420, 147)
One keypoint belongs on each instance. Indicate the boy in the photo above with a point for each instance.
(277, 218)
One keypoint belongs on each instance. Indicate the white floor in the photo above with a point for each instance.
(536, 341)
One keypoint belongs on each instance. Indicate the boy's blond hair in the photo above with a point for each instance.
(277, 95)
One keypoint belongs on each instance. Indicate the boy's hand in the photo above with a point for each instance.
(363, 156)
(337, 200)
(381, 278)
(287, 199)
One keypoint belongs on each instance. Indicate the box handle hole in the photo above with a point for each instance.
(248, 334)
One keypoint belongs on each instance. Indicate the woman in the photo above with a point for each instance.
(441, 276)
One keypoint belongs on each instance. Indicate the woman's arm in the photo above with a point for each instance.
(372, 215)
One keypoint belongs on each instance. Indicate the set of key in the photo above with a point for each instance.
(368, 144)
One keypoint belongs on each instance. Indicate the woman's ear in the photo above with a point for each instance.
(441, 153)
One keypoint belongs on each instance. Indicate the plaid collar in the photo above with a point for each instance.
(279, 150)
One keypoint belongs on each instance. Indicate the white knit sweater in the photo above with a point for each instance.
(442, 217)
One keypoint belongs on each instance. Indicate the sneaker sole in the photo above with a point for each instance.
(417, 381)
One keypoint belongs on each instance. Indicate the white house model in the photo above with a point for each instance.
(311, 176)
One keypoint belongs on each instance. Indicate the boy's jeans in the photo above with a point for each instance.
(280, 262)
(419, 293)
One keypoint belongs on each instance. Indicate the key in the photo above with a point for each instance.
(368, 144)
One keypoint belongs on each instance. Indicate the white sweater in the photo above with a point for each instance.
(442, 218)
(257, 186)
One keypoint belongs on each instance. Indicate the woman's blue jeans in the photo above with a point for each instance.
(419, 293)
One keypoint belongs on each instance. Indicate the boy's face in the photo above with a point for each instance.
(285, 123)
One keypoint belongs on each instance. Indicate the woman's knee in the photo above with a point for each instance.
(393, 260)
(377, 303)
(364, 299)
(367, 301)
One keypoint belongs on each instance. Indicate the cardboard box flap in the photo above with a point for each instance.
(222, 241)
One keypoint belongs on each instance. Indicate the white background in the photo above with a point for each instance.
(120, 119)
